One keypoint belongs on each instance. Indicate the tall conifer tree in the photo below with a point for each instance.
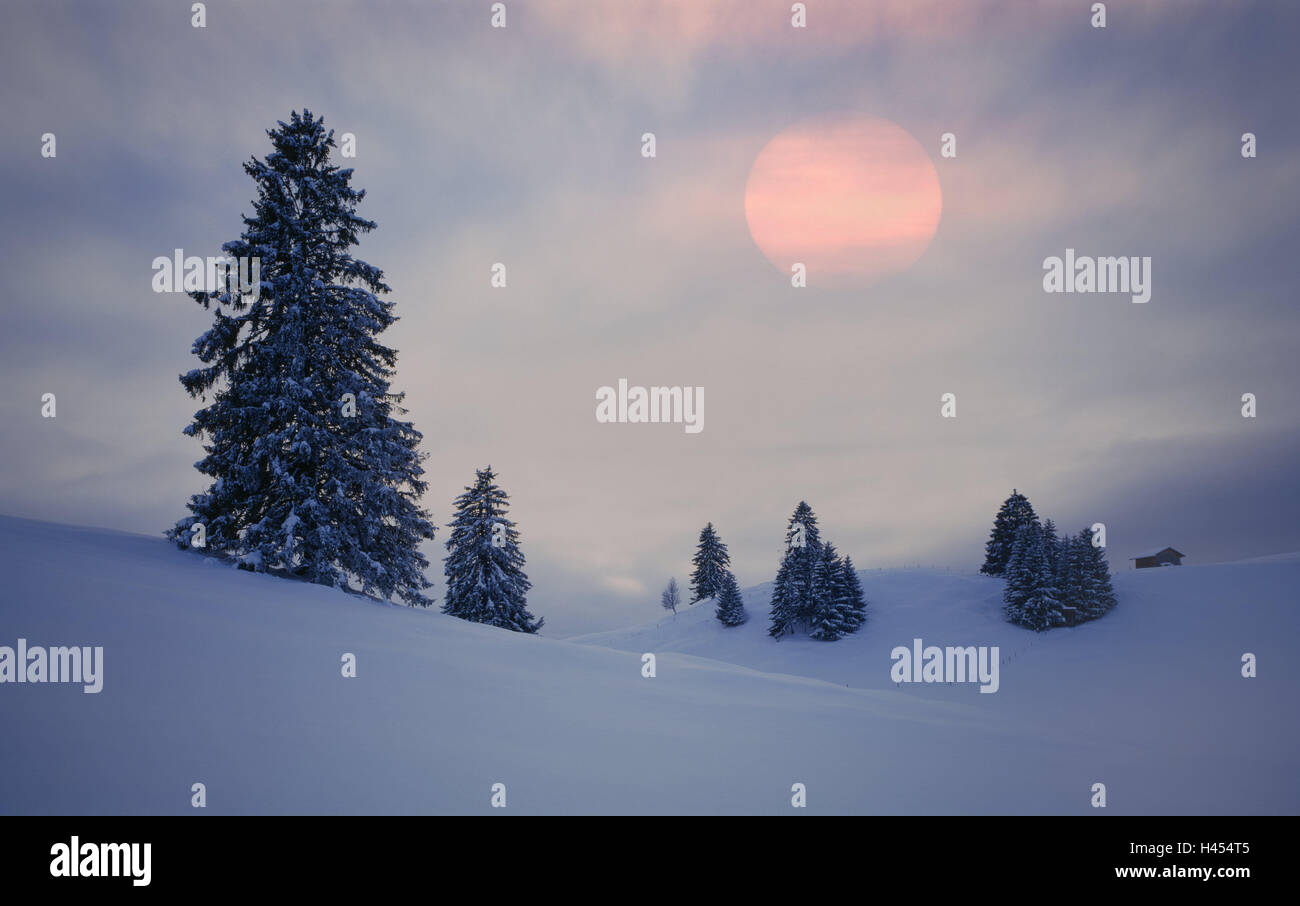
(1015, 512)
(1051, 544)
(1097, 591)
(854, 587)
(792, 603)
(314, 473)
(834, 614)
(1069, 585)
(1030, 593)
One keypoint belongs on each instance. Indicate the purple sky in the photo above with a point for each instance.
(522, 145)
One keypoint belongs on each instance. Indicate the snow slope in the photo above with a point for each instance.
(231, 679)
(1158, 677)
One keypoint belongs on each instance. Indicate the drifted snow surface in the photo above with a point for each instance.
(220, 676)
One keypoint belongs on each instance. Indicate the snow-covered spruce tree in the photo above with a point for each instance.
(1030, 593)
(671, 598)
(834, 615)
(314, 474)
(1011, 589)
(484, 566)
(712, 563)
(1069, 585)
(1097, 591)
(731, 607)
(856, 596)
(792, 590)
(1015, 512)
(1051, 544)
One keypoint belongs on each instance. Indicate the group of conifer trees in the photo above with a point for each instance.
(711, 577)
(1051, 580)
(314, 475)
(816, 589)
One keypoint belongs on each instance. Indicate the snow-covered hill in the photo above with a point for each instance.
(233, 680)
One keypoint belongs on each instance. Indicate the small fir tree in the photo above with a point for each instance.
(486, 582)
(731, 606)
(712, 563)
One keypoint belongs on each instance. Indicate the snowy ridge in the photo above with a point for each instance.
(232, 679)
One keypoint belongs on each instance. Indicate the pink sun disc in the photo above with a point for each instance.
(853, 199)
